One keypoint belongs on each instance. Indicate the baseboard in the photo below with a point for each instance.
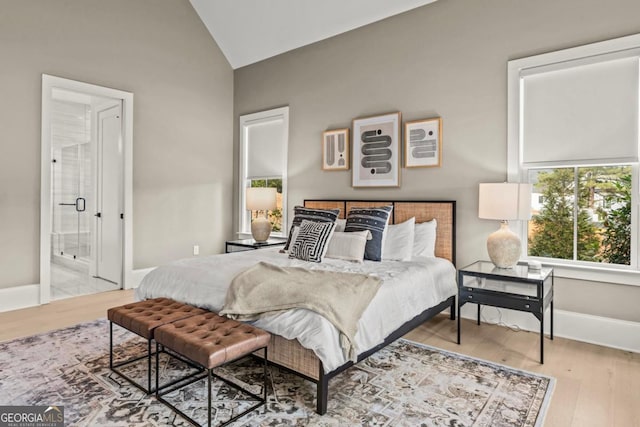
(19, 297)
(604, 331)
(138, 275)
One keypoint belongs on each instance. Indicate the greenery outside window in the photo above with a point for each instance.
(581, 214)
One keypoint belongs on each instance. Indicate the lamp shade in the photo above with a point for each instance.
(260, 199)
(504, 201)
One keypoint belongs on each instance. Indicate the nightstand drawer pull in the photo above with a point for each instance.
(469, 296)
(527, 306)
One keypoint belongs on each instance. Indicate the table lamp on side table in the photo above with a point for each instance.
(504, 202)
(260, 199)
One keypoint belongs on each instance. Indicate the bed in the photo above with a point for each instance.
(304, 342)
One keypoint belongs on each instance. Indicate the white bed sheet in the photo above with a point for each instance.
(408, 288)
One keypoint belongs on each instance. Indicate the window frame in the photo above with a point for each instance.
(246, 121)
(517, 172)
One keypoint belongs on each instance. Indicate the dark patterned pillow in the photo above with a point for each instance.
(312, 241)
(301, 213)
(373, 219)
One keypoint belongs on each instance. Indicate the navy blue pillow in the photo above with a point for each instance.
(373, 219)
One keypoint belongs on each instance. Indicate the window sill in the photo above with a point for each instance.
(617, 276)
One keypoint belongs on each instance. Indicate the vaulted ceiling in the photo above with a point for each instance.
(249, 31)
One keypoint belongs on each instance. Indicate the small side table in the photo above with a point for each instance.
(250, 244)
(514, 288)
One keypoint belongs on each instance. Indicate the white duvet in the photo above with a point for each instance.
(408, 288)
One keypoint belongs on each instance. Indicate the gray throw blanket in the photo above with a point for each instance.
(266, 288)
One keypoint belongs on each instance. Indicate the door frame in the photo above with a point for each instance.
(48, 84)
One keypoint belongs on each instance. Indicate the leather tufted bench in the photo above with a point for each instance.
(142, 318)
(210, 341)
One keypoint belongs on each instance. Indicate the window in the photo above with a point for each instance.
(585, 214)
(263, 163)
(573, 134)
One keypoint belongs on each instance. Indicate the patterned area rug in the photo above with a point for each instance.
(405, 384)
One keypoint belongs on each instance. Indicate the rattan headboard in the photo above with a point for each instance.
(424, 210)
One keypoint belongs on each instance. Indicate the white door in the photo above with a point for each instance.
(109, 195)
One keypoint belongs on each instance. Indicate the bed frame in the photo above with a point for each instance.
(291, 356)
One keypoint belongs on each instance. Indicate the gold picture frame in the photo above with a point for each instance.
(335, 150)
(423, 143)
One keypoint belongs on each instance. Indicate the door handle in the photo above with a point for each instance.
(84, 204)
(99, 215)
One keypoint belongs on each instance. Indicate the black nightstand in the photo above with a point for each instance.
(250, 244)
(515, 288)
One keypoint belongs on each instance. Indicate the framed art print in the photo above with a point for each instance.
(376, 151)
(423, 143)
(335, 150)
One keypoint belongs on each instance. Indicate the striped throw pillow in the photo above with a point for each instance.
(312, 241)
(373, 219)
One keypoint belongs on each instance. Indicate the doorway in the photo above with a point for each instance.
(86, 144)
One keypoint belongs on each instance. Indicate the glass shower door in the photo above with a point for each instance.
(72, 184)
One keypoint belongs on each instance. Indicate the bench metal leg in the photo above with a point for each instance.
(114, 366)
(210, 378)
(159, 349)
(260, 400)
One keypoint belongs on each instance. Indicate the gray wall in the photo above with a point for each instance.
(446, 59)
(183, 118)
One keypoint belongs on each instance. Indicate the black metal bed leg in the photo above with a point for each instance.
(452, 309)
(322, 394)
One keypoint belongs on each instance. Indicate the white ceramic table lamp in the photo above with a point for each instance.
(504, 202)
(260, 199)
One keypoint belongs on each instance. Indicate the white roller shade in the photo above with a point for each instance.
(586, 114)
(265, 148)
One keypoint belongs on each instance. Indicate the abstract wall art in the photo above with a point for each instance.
(423, 143)
(335, 150)
(376, 151)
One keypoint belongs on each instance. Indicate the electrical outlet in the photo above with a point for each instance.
(196, 249)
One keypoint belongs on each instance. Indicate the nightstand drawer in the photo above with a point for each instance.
(501, 300)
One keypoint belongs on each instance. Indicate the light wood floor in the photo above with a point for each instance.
(595, 386)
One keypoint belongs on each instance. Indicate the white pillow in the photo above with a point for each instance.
(348, 246)
(424, 240)
(340, 224)
(398, 241)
